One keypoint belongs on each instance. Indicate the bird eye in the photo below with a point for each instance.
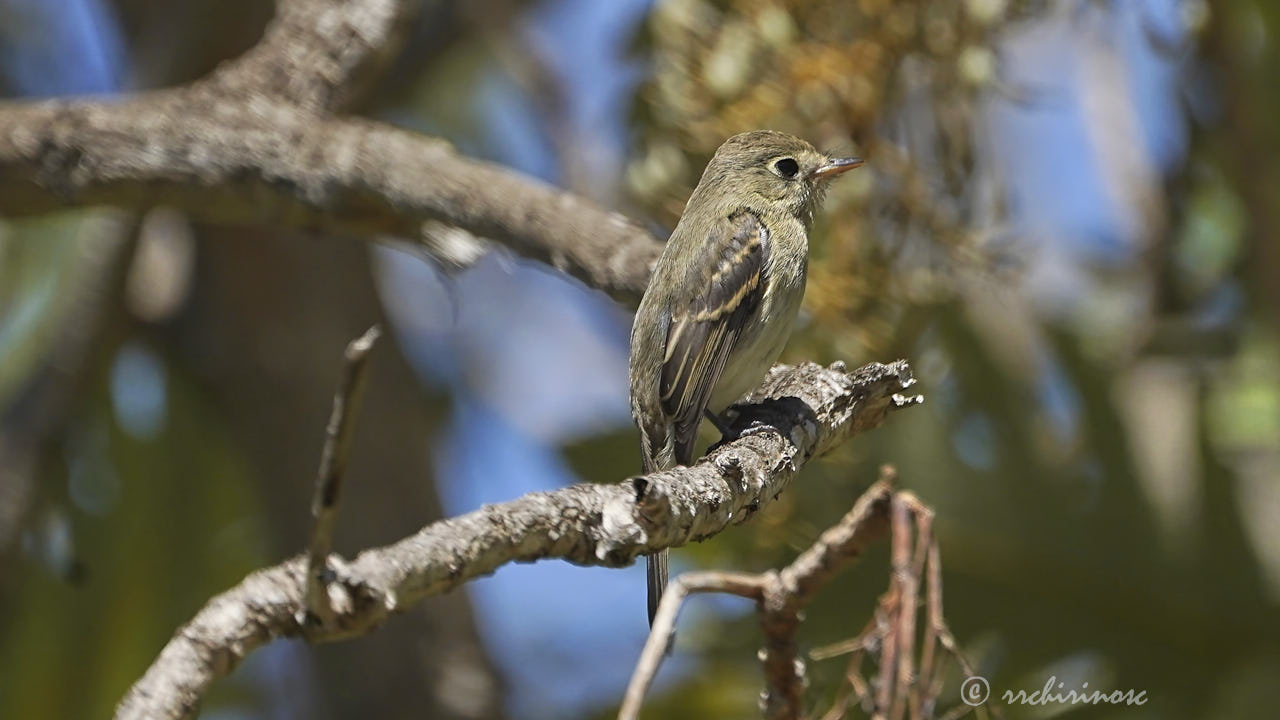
(787, 167)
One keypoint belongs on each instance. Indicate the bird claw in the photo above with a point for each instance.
(729, 434)
(719, 422)
(755, 428)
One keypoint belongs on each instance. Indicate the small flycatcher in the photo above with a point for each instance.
(724, 295)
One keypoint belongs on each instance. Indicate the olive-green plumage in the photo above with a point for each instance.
(724, 295)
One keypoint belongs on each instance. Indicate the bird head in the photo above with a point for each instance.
(778, 168)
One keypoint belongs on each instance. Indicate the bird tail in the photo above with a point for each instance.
(656, 568)
(656, 565)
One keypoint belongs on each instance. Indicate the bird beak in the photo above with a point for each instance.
(835, 167)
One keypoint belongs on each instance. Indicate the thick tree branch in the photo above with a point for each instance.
(224, 161)
(314, 52)
(804, 410)
(255, 143)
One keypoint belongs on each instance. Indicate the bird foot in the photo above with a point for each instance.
(725, 432)
(728, 434)
(755, 428)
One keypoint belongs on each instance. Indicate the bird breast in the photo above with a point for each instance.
(758, 349)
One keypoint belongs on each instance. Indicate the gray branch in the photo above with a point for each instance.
(256, 143)
(333, 466)
(315, 52)
(799, 413)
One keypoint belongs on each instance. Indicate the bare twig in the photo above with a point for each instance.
(888, 642)
(333, 466)
(856, 686)
(898, 691)
(842, 542)
(935, 626)
(920, 703)
(795, 586)
(655, 648)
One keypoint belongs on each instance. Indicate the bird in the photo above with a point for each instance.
(723, 296)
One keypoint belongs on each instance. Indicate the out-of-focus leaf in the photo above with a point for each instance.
(42, 262)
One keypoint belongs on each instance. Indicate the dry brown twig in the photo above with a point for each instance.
(781, 596)
(900, 690)
(333, 465)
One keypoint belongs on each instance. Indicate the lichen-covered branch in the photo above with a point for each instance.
(314, 52)
(804, 410)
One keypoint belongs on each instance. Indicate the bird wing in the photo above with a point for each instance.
(702, 333)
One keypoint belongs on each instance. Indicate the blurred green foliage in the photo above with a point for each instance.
(130, 536)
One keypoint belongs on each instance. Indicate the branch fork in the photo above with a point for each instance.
(326, 599)
(781, 596)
